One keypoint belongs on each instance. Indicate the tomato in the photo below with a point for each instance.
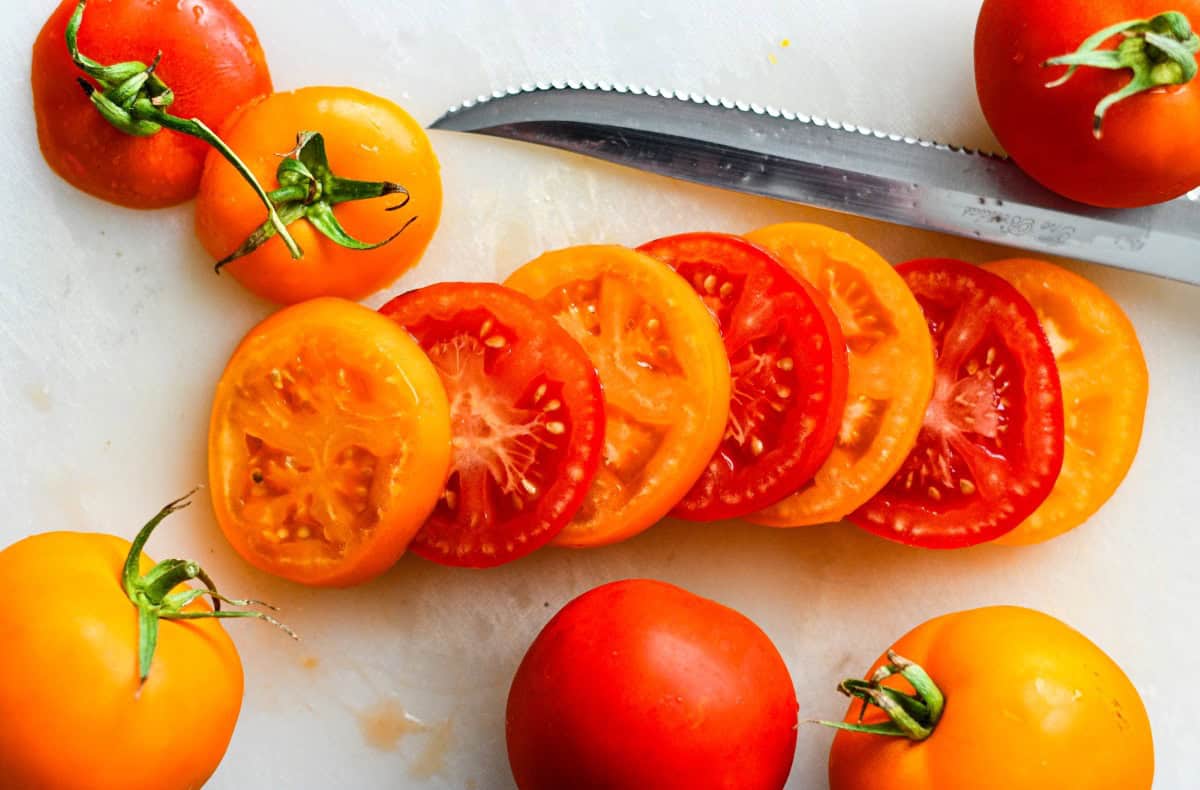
(1144, 152)
(365, 137)
(528, 420)
(329, 443)
(113, 675)
(890, 369)
(789, 373)
(212, 60)
(665, 374)
(1104, 386)
(639, 684)
(1029, 703)
(991, 444)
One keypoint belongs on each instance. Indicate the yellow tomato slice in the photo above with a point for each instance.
(890, 357)
(665, 374)
(1104, 387)
(329, 443)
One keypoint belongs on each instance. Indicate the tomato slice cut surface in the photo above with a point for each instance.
(664, 371)
(788, 363)
(890, 360)
(329, 443)
(527, 416)
(991, 444)
(1104, 385)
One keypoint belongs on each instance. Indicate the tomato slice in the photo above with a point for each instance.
(788, 360)
(665, 374)
(329, 443)
(991, 443)
(527, 415)
(890, 360)
(1104, 385)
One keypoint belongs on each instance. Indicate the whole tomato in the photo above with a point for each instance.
(1005, 699)
(211, 61)
(113, 675)
(348, 147)
(639, 684)
(1122, 130)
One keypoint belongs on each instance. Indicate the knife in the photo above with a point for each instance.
(842, 167)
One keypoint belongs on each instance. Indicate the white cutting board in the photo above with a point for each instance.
(115, 330)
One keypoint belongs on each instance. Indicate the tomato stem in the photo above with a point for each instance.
(913, 716)
(133, 99)
(309, 189)
(1160, 51)
(155, 598)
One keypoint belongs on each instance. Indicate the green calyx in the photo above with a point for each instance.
(1160, 52)
(309, 189)
(133, 98)
(913, 716)
(155, 597)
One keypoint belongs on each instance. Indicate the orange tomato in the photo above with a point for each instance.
(211, 60)
(1030, 703)
(664, 371)
(73, 715)
(367, 138)
(891, 369)
(329, 443)
(1105, 384)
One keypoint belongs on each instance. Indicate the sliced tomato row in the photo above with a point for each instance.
(792, 377)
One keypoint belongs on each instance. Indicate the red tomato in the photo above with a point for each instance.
(638, 685)
(211, 60)
(1148, 151)
(991, 445)
(788, 361)
(528, 420)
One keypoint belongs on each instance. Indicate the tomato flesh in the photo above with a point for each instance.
(991, 444)
(788, 362)
(527, 416)
(665, 374)
(328, 445)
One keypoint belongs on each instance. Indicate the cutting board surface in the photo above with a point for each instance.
(115, 330)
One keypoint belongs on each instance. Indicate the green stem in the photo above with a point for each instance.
(153, 593)
(913, 716)
(1159, 52)
(308, 189)
(132, 98)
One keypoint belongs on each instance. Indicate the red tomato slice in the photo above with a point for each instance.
(528, 421)
(788, 360)
(991, 445)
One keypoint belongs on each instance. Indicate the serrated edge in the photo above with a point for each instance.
(729, 104)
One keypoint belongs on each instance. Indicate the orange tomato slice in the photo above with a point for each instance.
(329, 443)
(891, 369)
(1104, 387)
(665, 375)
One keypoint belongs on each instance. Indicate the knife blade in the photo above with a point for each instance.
(817, 162)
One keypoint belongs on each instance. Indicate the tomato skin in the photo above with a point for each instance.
(991, 442)
(350, 430)
(71, 714)
(1148, 152)
(1030, 703)
(639, 684)
(789, 373)
(528, 421)
(212, 60)
(367, 138)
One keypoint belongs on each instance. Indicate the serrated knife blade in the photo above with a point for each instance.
(842, 167)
